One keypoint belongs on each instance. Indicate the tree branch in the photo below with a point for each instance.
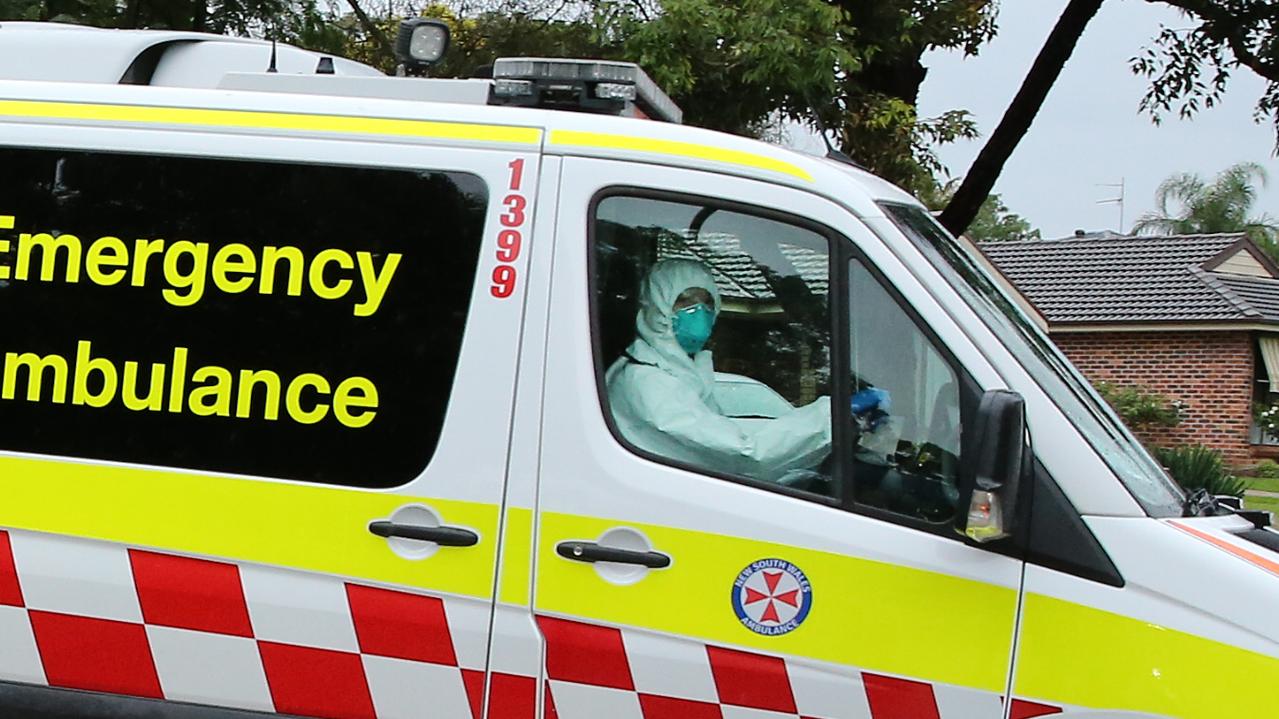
(980, 179)
(371, 28)
(1222, 24)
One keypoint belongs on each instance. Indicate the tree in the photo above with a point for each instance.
(994, 221)
(741, 66)
(985, 170)
(874, 114)
(744, 67)
(289, 20)
(1223, 205)
(1190, 68)
(732, 66)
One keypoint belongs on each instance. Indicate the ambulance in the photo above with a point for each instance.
(309, 405)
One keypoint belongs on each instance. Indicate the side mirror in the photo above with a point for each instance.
(994, 463)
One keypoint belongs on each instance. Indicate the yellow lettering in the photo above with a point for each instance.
(179, 379)
(244, 400)
(49, 246)
(293, 398)
(375, 283)
(36, 365)
(106, 252)
(322, 260)
(234, 258)
(355, 393)
(86, 364)
(271, 256)
(142, 251)
(219, 391)
(193, 280)
(96, 381)
(6, 223)
(129, 388)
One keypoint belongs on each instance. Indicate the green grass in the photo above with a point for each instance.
(1265, 485)
(1270, 504)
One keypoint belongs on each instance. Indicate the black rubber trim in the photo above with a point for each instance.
(143, 67)
(30, 701)
(1264, 537)
(443, 536)
(592, 552)
(1056, 537)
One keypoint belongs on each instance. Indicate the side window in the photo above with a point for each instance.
(262, 318)
(908, 417)
(714, 332)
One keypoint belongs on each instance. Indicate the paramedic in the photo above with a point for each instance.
(660, 389)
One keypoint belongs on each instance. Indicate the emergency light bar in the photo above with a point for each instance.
(615, 88)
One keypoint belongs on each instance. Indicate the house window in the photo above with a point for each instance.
(1266, 379)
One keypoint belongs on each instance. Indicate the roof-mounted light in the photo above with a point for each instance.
(584, 85)
(420, 44)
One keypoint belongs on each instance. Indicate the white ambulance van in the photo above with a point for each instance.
(338, 395)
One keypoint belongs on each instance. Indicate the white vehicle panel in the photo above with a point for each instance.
(458, 477)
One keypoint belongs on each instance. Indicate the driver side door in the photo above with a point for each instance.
(675, 585)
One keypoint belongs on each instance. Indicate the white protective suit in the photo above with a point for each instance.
(662, 399)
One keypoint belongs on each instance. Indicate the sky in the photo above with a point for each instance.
(1089, 131)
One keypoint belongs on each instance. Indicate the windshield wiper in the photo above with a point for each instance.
(1200, 503)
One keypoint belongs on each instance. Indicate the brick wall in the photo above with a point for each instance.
(1212, 372)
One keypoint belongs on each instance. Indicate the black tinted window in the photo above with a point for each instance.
(287, 320)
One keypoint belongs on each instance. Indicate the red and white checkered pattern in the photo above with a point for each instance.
(96, 616)
(595, 671)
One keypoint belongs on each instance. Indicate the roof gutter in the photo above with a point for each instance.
(1098, 327)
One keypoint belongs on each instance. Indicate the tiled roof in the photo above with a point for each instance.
(1134, 279)
(1258, 293)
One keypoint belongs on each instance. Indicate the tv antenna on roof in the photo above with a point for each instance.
(1115, 200)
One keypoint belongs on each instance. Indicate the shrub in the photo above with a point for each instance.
(1266, 417)
(1198, 467)
(1267, 469)
(1140, 408)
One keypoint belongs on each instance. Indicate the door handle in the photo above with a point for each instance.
(443, 536)
(592, 552)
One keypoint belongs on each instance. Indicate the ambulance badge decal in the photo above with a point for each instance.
(772, 597)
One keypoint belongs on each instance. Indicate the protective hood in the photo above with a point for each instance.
(655, 343)
(663, 400)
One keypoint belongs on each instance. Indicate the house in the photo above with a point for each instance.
(1194, 318)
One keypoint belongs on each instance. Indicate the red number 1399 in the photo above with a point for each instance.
(510, 239)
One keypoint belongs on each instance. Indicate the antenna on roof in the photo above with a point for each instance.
(1115, 200)
(271, 66)
(831, 152)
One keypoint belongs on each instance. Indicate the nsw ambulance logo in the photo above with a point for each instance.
(772, 597)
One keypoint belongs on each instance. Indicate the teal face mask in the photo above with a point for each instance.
(692, 326)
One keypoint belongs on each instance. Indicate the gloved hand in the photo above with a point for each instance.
(871, 398)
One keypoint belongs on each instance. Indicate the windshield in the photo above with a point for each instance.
(1129, 460)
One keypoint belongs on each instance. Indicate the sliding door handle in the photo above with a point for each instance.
(443, 536)
(592, 552)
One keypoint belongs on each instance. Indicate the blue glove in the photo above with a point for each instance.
(869, 399)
